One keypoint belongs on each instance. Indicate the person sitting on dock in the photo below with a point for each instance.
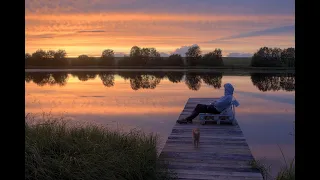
(215, 108)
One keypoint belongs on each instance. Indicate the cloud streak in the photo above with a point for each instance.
(91, 31)
(270, 31)
(244, 7)
(81, 27)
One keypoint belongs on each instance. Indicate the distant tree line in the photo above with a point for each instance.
(150, 80)
(274, 57)
(46, 58)
(264, 57)
(138, 57)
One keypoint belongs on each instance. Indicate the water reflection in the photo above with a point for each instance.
(84, 76)
(175, 77)
(273, 82)
(107, 78)
(212, 79)
(150, 80)
(107, 98)
(45, 78)
(193, 81)
(141, 80)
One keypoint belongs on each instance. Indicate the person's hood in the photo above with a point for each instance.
(228, 89)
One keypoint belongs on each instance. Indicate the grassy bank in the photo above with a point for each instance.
(287, 172)
(54, 150)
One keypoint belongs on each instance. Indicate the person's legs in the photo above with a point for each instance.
(212, 110)
(200, 108)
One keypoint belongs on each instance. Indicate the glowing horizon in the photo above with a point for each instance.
(170, 27)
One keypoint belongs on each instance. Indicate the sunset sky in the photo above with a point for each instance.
(238, 27)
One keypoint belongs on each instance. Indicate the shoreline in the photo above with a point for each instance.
(163, 67)
(166, 68)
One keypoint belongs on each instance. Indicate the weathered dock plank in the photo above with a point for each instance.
(223, 152)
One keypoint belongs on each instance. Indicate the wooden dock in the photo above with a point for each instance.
(223, 152)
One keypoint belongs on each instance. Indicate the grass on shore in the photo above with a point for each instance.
(287, 172)
(54, 150)
(263, 168)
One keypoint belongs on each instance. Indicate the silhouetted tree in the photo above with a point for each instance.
(175, 77)
(135, 51)
(142, 56)
(50, 55)
(84, 60)
(193, 55)
(27, 59)
(267, 57)
(288, 57)
(193, 81)
(107, 78)
(107, 58)
(150, 56)
(60, 57)
(174, 60)
(212, 79)
(136, 56)
(39, 58)
(39, 54)
(213, 58)
(48, 58)
(27, 56)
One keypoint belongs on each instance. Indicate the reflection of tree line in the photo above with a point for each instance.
(44, 78)
(138, 80)
(150, 80)
(273, 82)
(61, 78)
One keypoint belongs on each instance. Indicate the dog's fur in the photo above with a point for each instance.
(196, 136)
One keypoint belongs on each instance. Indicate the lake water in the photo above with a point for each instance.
(152, 101)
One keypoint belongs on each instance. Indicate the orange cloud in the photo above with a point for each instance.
(151, 17)
(90, 33)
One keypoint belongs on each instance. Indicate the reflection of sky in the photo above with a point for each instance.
(266, 118)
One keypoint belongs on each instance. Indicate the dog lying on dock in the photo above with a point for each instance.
(196, 136)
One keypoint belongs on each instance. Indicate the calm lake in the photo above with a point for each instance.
(152, 101)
